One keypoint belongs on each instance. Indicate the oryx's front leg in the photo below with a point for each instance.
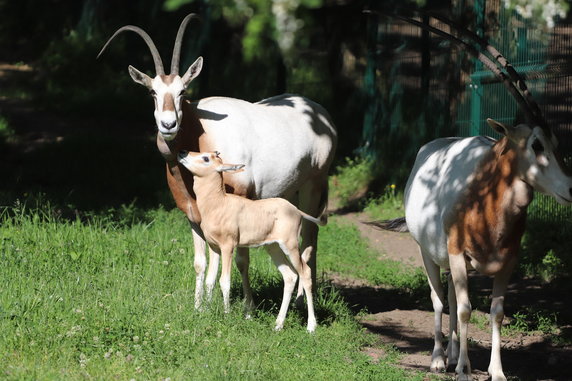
(497, 315)
(226, 252)
(437, 297)
(200, 262)
(460, 282)
(242, 260)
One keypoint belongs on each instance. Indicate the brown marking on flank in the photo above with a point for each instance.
(486, 225)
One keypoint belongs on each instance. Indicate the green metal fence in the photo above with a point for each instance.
(454, 95)
(534, 52)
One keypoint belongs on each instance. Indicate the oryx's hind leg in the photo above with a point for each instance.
(313, 199)
(453, 345)
(438, 299)
(289, 276)
(305, 275)
(461, 284)
(497, 315)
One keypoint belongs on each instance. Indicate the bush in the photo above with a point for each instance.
(387, 206)
(546, 248)
(351, 181)
(74, 81)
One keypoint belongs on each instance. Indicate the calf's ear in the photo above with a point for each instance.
(230, 168)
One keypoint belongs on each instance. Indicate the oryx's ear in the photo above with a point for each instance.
(498, 126)
(193, 71)
(140, 77)
(232, 168)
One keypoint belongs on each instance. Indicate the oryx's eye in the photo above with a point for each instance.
(537, 146)
(206, 159)
(152, 92)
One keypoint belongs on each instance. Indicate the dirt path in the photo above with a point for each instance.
(408, 325)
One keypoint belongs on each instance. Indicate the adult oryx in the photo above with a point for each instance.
(287, 143)
(466, 201)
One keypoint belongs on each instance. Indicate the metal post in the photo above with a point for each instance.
(369, 128)
(476, 86)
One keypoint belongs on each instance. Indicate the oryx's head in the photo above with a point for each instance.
(539, 162)
(167, 90)
(206, 163)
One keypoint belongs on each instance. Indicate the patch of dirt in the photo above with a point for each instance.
(396, 246)
(407, 324)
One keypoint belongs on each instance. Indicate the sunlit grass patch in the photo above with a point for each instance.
(351, 180)
(343, 250)
(105, 298)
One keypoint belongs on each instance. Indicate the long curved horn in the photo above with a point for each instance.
(524, 98)
(154, 52)
(178, 42)
(515, 77)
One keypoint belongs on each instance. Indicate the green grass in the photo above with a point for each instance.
(111, 297)
(351, 180)
(387, 206)
(531, 320)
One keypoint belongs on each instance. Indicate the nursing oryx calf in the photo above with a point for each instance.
(287, 142)
(466, 202)
(230, 221)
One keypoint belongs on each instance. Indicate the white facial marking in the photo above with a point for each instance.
(545, 172)
(168, 113)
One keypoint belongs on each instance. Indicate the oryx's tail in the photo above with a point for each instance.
(395, 225)
(318, 221)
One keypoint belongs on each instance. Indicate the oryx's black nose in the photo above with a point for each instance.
(168, 125)
(183, 154)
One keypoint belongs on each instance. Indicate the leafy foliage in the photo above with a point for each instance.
(351, 180)
(543, 12)
(546, 248)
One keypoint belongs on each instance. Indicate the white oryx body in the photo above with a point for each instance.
(284, 141)
(287, 142)
(465, 205)
(441, 172)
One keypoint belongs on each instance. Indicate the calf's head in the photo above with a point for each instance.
(206, 163)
